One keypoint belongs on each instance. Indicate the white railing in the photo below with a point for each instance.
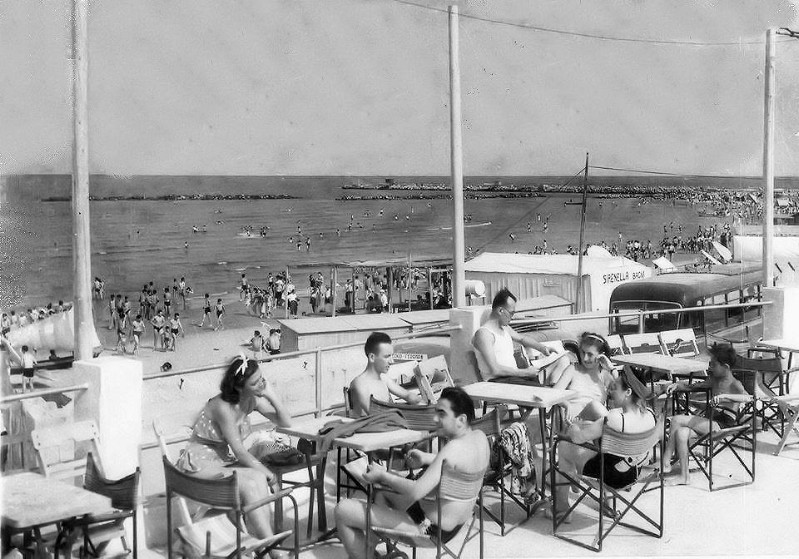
(320, 406)
(639, 314)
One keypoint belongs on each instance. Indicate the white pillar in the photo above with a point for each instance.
(780, 319)
(456, 149)
(81, 237)
(114, 401)
(768, 163)
(460, 364)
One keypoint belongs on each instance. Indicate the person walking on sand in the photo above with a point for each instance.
(137, 331)
(206, 311)
(220, 311)
(122, 332)
(175, 328)
(158, 322)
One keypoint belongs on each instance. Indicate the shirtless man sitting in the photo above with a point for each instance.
(466, 452)
(373, 380)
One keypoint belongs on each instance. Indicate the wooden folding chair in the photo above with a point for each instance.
(679, 343)
(98, 530)
(218, 536)
(454, 485)
(739, 439)
(491, 425)
(643, 343)
(619, 444)
(61, 450)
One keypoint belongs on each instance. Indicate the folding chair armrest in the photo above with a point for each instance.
(282, 494)
(740, 398)
(557, 439)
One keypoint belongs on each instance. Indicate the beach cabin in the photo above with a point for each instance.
(529, 275)
(310, 333)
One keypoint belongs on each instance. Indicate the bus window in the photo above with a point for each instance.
(652, 323)
(625, 324)
(715, 319)
(660, 321)
(692, 320)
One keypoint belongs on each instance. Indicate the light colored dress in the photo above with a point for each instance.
(207, 449)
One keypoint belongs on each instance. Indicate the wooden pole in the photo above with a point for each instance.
(410, 279)
(81, 237)
(430, 286)
(456, 151)
(578, 304)
(334, 282)
(354, 291)
(286, 298)
(390, 277)
(768, 163)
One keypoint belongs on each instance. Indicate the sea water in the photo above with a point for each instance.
(135, 242)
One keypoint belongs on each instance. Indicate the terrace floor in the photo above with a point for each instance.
(754, 520)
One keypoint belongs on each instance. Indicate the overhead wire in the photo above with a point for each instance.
(525, 216)
(663, 173)
(584, 35)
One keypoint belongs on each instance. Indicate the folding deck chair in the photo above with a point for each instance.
(455, 485)
(619, 444)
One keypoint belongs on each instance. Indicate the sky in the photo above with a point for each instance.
(361, 87)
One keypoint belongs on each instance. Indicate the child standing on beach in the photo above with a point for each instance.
(258, 345)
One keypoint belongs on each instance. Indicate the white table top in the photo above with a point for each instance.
(309, 428)
(663, 363)
(370, 442)
(30, 499)
(787, 344)
(519, 394)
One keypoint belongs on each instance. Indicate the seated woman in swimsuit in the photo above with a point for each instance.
(589, 379)
(216, 447)
(683, 427)
(628, 414)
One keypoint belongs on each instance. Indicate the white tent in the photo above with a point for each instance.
(528, 276)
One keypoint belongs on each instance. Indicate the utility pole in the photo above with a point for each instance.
(81, 237)
(768, 164)
(456, 150)
(577, 304)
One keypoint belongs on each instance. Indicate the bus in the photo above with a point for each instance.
(728, 284)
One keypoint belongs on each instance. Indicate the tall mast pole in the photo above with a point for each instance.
(81, 238)
(456, 149)
(578, 304)
(768, 163)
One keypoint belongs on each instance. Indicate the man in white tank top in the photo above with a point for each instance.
(493, 344)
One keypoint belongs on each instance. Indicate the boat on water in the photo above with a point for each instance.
(449, 228)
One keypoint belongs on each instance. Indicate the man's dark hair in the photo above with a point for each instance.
(724, 354)
(374, 340)
(459, 401)
(501, 298)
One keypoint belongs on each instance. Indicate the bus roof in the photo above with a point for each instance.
(683, 288)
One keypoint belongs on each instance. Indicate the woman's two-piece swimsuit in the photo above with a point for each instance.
(620, 471)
